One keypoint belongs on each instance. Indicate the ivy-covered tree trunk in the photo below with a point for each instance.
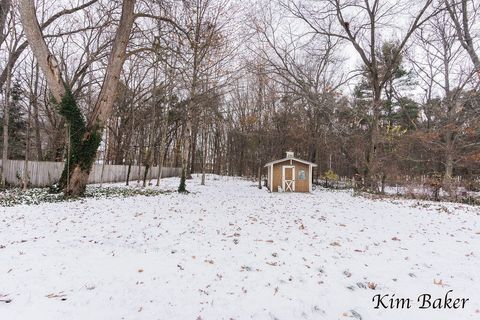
(83, 147)
(183, 177)
(185, 135)
(85, 136)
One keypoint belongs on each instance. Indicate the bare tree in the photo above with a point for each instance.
(85, 137)
(307, 65)
(463, 14)
(22, 46)
(440, 63)
(360, 23)
(203, 28)
(6, 110)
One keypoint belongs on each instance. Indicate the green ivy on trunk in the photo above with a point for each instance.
(182, 187)
(84, 142)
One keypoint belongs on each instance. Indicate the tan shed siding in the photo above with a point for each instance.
(277, 175)
(300, 185)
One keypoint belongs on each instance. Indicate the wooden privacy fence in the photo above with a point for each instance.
(45, 173)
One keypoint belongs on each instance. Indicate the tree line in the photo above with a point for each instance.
(371, 89)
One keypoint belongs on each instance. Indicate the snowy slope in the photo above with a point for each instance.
(231, 251)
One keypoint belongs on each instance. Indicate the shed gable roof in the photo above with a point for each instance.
(271, 163)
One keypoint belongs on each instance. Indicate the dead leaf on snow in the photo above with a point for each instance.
(439, 283)
(60, 295)
(3, 298)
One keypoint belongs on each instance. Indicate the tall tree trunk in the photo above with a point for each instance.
(449, 154)
(259, 175)
(107, 139)
(4, 9)
(131, 154)
(204, 154)
(163, 142)
(187, 136)
(193, 148)
(149, 154)
(139, 162)
(148, 163)
(177, 152)
(25, 176)
(370, 173)
(6, 120)
(450, 124)
(38, 140)
(85, 137)
(216, 152)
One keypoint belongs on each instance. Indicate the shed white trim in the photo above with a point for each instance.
(310, 178)
(291, 159)
(288, 184)
(271, 178)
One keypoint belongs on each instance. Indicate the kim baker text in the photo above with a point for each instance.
(423, 301)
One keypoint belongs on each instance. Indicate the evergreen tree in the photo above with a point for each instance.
(17, 124)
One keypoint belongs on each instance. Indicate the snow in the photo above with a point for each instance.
(228, 250)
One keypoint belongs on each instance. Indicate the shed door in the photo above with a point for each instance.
(288, 178)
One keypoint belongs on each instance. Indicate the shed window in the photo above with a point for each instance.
(301, 175)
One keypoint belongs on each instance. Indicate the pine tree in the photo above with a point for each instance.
(17, 124)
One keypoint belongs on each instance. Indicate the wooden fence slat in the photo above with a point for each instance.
(45, 173)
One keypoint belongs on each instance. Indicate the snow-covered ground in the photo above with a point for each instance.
(231, 251)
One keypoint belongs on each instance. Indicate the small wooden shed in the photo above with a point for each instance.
(290, 174)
